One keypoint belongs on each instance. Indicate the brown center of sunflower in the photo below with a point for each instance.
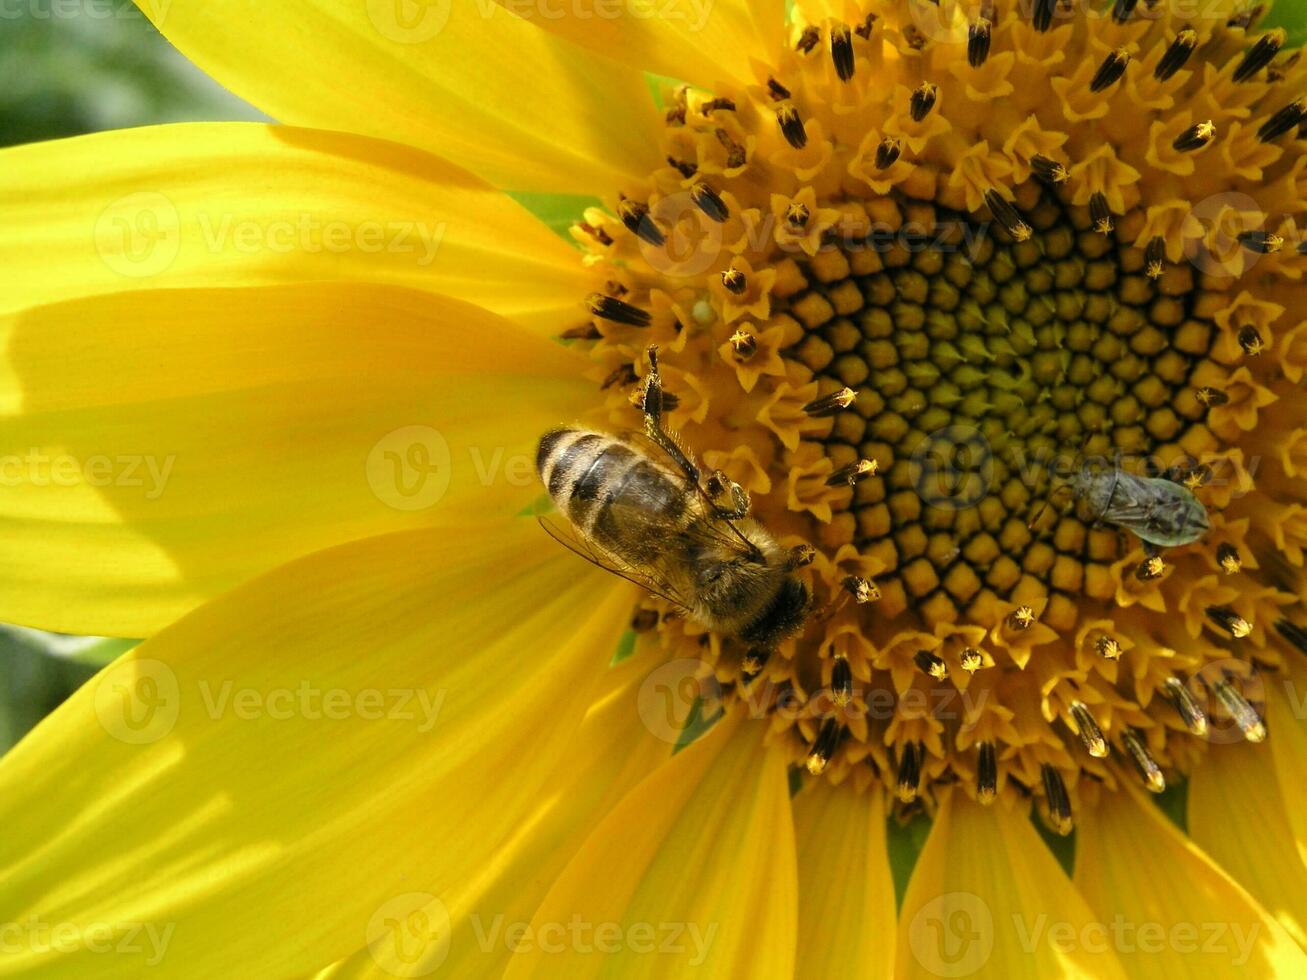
(903, 287)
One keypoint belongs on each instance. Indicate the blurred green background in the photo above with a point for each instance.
(68, 68)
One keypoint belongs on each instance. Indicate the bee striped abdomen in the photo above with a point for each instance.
(589, 472)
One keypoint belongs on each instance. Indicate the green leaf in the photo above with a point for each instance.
(1292, 16)
(558, 211)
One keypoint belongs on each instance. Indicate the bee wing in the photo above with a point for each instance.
(609, 562)
(720, 529)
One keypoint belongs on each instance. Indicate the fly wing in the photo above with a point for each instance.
(595, 554)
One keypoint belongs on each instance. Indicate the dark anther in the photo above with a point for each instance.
(791, 125)
(1245, 19)
(617, 310)
(831, 404)
(841, 683)
(1230, 621)
(986, 773)
(1185, 43)
(1007, 215)
(682, 167)
(638, 221)
(712, 105)
(1260, 55)
(863, 30)
(598, 234)
(908, 776)
(1148, 768)
(1261, 242)
(887, 152)
(1049, 170)
(1122, 10)
(1250, 341)
(1043, 14)
(1186, 705)
(585, 331)
(824, 747)
(854, 473)
(776, 90)
(709, 202)
(1154, 257)
(1209, 396)
(923, 100)
(735, 281)
(1195, 137)
(1293, 633)
(1100, 212)
(1283, 121)
(644, 620)
(808, 40)
(979, 35)
(1110, 71)
(841, 52)
(930, 665)
(1059, 804)
(622, 376)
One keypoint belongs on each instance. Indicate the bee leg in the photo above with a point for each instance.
(721, 486)
(652, 406)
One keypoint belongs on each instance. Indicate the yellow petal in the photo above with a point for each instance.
(611, 753)
(305, 757)
(693, 871)
(846, 894)
(237, 204)
(1238, 815)
(1287, 722)
(1169, 910)
(158, 448)
(463, 78)
(699, 41)
(987, 898)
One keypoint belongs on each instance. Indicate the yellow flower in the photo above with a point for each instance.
(272, 396)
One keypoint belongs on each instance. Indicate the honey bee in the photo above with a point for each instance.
(636, 506)
(1159, 511)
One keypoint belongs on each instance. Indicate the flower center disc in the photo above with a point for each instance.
(903, 288)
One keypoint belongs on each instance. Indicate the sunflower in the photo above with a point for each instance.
(272, 400)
